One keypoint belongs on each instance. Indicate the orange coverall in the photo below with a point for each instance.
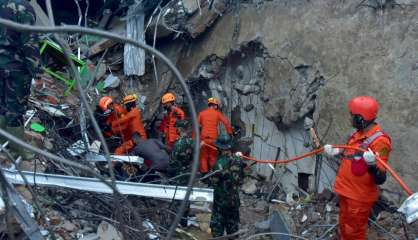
(117, 113)
(132, 121)
(209, 120)
(358, 193)
(170, 130)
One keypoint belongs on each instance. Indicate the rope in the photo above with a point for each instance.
(318, 151)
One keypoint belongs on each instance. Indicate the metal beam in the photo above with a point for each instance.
(93, 157)
(95, 185)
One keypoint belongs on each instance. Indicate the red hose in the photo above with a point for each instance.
(319, 150)
(385, 165)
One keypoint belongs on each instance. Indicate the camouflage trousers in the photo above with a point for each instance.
(225, 215)
(14, 95)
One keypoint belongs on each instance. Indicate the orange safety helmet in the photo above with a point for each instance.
(104, 103)
(365, 106)
(168, 97)
(130, 98)
(213, 100)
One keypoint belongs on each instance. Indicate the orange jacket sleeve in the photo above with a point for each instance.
(123, 120)
(226, 123)
(137, 125)
(382, 147)
(179, 113)
(124, 148)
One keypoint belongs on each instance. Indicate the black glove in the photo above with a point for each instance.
(378, 175)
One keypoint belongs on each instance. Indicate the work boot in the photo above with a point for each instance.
(15, 149)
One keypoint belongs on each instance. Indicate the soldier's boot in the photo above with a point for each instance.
(15, 149)
(2, 126)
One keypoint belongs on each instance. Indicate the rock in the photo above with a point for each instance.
(106, 231)
(48, 144)
(240, 72)
(203, 219)
(261, 206)
(246, 89)
(190, 5)
(265, 98)
(315, 217)
(54, 220)
(249, 107)
(250, 187)
(68, 226)
(263, 225)
(326, 195)
(205, 73)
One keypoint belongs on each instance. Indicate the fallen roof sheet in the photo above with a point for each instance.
(95, 185)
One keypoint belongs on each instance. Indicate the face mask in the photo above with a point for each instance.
(359, 123)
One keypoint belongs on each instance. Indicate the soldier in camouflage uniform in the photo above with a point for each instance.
(226, 184)
(19, 59)
(182, 153)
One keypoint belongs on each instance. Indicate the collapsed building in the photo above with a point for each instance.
(279, 68)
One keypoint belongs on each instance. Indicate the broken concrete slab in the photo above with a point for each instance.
(117, 27)
(198, 23)
(250, 186)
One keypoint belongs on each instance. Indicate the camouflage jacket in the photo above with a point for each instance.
(18, 50)
(227, 182)
(182, 154)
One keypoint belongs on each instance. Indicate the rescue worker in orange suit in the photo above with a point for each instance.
(209, 120)
(174, 113)
(108, 112)
(132, 122)
(359, 173)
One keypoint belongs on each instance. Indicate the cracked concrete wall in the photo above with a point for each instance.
(316, 56)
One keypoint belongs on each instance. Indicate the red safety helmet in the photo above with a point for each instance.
(365, 106)
(105, 102)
